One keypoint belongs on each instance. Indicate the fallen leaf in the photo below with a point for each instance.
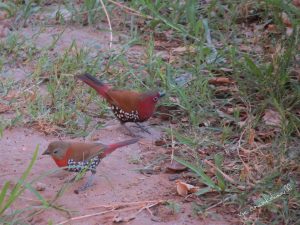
(3, 15)
(286, 20)
(119, 219)
(296, 3)
(272, 28)
(251, 137)
(176, 167)
(165, 112)
(245, 48)
(40, 186)
(231, 110)
(181, 50)
(289, 31)
(183, 189)
(4, 108)
(266, 135)
(220, 81)
(160, 142)
(11, 95)
(272, 118)
(185, 119)
(183, 79)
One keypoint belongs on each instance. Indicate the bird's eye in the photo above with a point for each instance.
(155, 99)
(55, 151)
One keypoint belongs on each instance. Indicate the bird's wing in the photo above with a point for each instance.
(85, 151)
(124, 99)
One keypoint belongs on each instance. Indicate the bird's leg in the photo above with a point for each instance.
(130, 133)
(71, 180)
(142, 128)
(88, 184)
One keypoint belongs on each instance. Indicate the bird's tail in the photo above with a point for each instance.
(100, 87)
(112, 147)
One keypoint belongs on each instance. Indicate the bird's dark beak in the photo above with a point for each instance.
(161, 94)
(46, 152)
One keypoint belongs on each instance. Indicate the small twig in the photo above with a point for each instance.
(109, 24)
(6, 174)
(239, 147)
(35, 85)
(132, 11)
(172, 145)
(85, 216)
(147, 207)
(122, 204)
(228, 178)
(30, 199)
(114, 209)
(215, 205)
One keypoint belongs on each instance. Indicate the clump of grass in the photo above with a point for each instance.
(263, 81)
(208, 48)
(8, 198)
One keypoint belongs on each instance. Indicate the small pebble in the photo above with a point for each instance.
(173, 177)
(40, 186)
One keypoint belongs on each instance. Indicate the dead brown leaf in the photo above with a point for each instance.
(3, 15)
(45, 127)
(176, 167)
(272, 118)
(296, 3)
(220, 81)
(245, 48)
(251, 137)
(160, 142)
(13, 94)
(4, 108)
(286, 20)
(244, 173)
(272, 28)
(266, 135)
(183, 49)
(119, 219)
(183, 189)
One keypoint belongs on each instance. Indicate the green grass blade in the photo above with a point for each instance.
(182, 139)
(200, 172)
(221, 181)
(252, 67)
(3, 193)
(17, 190)
(37, 194)
(203, 191)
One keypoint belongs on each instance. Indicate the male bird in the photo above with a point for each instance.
(127, 105)
(76, 157)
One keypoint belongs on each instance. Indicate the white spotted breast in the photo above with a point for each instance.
(81, 165)
(123, 116)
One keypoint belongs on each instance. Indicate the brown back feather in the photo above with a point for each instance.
(124, 99)
(85, 151)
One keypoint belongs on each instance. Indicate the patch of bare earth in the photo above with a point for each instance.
(116, 182)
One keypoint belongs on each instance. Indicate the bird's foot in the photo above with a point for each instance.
(144, 129)
(71, 180)
(129, 132)
(88, 184)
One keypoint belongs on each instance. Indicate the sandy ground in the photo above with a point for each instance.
(117, 180)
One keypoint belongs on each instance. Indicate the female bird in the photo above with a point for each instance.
(127, 105)
(76, 157)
